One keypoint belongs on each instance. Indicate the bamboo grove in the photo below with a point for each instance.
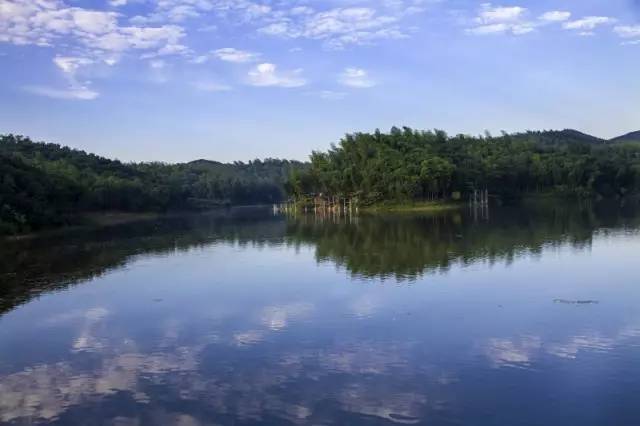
(409, 165)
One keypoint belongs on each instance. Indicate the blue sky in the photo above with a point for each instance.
(175, 80)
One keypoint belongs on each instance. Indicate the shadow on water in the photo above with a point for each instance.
(400, 247)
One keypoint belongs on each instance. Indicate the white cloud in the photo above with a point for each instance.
(489, 29)
(500, 20)
(513, 20)
(94, 22)
(252, 10)
(356, 77)
(103, 33)
(492, 15)
(628, 31)
(555, 16)
(182, 13)
(239, 11)
(338, 27)
(106, 36)
(72, 93)
(229, 54)
(301, 10)
(280, 29)
(589, 23)
(95, 33)
(524, 28)
(344, 21)
(69, 64)
(146, 37)
(264, 75)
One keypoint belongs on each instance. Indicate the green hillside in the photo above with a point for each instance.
(43, 184)
(633, 137)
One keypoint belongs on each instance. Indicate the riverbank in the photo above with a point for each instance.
(113, 218)
(85, 221)
(97, 220)
(412, 207)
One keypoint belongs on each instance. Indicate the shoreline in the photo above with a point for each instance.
(413, 207)
(85, 221)
(94, 220)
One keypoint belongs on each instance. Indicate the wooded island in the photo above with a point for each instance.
(406, 165)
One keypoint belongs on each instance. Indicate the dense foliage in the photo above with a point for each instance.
(41, 183)
(408, 165)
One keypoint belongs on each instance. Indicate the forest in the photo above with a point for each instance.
(407, 165)
(43, 185)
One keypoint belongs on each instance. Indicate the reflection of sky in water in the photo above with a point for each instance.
(243, 335)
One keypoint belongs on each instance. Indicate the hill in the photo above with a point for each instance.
(44, 184)
(270, 168)
(559, 137)
(633, 137)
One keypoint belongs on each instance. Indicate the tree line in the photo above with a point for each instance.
(45, 184)
(410, 165)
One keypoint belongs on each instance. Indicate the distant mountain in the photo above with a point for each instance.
(271, 169)
(629, 137)
(569, 136)
(572, 134)
(559, 137)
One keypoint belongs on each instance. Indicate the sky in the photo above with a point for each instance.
(178, 80)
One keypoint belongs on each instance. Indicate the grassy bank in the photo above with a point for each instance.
(412, 207)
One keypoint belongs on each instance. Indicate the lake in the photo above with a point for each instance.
(505, 316)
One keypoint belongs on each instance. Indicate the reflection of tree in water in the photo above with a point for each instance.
(253, 373)
(399, 246)
(407, 246)
(53, 261)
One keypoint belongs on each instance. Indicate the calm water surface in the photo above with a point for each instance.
(513, 316)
